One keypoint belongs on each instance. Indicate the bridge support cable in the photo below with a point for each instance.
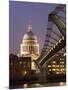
(46, 46)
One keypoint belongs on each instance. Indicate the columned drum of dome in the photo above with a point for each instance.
(30, 46)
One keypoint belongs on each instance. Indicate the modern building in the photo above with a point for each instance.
(30, 46)
(58, 64)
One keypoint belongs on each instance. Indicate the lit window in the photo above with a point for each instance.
(61, 83)
(57, 69)
(54, 62)
(49, 65)
(62, 70)
(57, 65)
(49, 69)
(25, 85)
(61, 58)
(53, 69)
(62, 62)
(61, 65)
(57, 72)
(53, 65)
(33, 66)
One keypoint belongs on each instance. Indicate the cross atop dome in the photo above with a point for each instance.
(30, 26)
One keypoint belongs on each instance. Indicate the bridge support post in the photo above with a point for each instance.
(43, 75)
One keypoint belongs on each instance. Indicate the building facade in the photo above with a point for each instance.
(19, 66)
(30, 46)
(58, 64)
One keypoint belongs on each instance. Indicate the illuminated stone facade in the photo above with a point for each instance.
(30, 46)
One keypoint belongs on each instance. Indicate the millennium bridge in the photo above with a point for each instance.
(55, 39)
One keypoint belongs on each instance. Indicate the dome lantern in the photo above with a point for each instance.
(29, 27)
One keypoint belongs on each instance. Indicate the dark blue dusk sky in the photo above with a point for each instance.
(20, 13)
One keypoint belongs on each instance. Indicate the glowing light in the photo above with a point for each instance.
(61, 65)
(32, 44)
(61, 83)
(53, 69)
(57, 69)
(54, 62)
(25, 72)
(62, 70)
(61, 59)
(57, 72)
(49, 65)
(33, 66)
(49, 69)
(57, 65)
(64, 54)
(53, 65)
(25, 85)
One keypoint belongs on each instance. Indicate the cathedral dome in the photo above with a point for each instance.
(29, 36)
(29, 45)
